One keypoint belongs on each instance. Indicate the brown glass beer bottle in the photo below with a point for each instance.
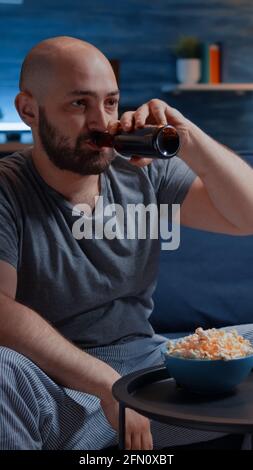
(151, 141)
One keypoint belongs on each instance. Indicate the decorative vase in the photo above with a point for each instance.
(188, 70)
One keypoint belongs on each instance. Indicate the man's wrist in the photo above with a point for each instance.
(106, 384)
(186, 136)
(192, 145)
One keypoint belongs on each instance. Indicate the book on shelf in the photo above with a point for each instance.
(223, 61)
(214, 63)
(205, 63)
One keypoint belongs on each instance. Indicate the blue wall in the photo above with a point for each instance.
(140, 34)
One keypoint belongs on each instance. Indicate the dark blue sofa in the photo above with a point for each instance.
(207, 282)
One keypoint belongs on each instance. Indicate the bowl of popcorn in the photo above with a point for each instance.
(209, 361)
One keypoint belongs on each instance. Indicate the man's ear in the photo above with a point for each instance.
(27, 108)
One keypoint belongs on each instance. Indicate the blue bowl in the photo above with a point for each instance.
(207, 376)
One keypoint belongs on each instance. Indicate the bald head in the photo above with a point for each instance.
(50, 58)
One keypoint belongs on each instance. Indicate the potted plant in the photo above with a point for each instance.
(188, 65)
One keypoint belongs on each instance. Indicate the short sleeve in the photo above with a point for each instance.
(8, 231)
(171, 179)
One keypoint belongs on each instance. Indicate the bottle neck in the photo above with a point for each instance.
(102, 139)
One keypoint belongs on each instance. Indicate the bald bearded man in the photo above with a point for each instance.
(74, 313)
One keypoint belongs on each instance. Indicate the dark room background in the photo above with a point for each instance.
(141, 34)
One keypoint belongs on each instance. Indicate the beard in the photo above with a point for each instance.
(69, 157)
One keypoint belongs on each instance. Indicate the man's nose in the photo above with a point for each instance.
(98, 120)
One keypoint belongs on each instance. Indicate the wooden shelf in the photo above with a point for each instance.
(238, 88)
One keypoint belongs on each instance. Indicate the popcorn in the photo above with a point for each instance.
(211, 344)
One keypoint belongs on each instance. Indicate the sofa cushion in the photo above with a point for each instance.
(208, 281)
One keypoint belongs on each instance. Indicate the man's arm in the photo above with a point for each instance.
(23, 330)
(221, 198)
(198, 211)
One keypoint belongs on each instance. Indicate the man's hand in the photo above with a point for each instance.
(138, 435)
(154, 112)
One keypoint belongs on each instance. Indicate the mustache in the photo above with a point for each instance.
(85, 138)
(89, 137)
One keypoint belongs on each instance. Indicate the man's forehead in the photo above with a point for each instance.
(80, 79)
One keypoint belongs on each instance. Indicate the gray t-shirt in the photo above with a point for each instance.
(94, 291)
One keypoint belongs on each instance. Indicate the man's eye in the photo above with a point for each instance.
(112, 103)
(78, 104)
